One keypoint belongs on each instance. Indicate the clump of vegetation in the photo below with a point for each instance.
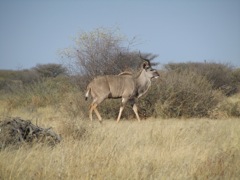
(74, 105)
(38, 94)
(228, 107)
(11, 80)
(185, 94)
(16, 132)
(75, 128)
(50, 70)
(222, 76)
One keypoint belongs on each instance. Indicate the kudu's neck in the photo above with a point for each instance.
(143, 82)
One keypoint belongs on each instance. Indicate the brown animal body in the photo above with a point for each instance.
(124, 86)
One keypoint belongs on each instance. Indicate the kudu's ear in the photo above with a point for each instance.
(145, 65)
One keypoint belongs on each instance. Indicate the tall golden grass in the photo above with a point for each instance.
(151, 149)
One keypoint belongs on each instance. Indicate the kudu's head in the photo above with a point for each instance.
(150, 72)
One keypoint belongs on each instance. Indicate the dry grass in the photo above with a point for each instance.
(229, 107)
(151, 149)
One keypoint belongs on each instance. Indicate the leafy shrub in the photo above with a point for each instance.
(146, 104)
(221, 76)
(185, 94)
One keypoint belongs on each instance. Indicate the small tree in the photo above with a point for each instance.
(50, 70)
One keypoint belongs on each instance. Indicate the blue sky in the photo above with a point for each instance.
(33, 32)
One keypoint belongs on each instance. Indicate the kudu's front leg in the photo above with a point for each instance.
(124, 100)
(120, 113)
(135, 109)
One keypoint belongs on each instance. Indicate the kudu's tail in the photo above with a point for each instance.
(87, 93)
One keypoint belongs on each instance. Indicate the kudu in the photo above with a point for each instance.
(124, 86)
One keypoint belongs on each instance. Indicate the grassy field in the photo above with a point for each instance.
(151, 149)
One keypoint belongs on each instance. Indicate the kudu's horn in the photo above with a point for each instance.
(147, 60)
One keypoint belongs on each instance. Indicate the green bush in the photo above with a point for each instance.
(221, 76)
(185, 94)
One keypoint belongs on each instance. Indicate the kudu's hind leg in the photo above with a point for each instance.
(90, 111)
(98, 114)
(135, 109)
(94, 108)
